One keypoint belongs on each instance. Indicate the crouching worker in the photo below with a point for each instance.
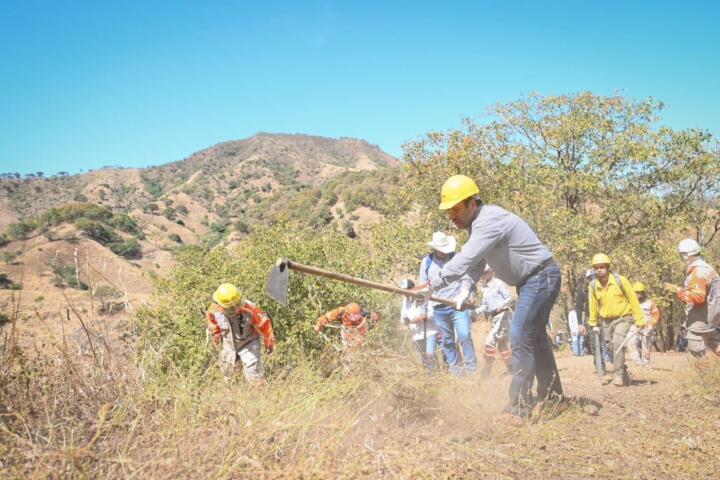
(414, 315)
(236, 326)
(355, 322)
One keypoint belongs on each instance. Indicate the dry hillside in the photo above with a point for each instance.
(104, 235)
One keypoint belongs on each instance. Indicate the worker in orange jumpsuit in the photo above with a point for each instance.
(236, 326)
(355, 322)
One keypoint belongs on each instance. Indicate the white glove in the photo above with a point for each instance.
(461, 297)
(596, 329)
(483, 309)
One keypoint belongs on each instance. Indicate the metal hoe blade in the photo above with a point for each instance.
(277, 287)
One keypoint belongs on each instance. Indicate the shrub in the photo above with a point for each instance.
(21, 229)
(151, 208)
(169, 213)
(66, 277)
(174, 328)
(126, 224)
(175, 238)
(130, 249)
(96, 230)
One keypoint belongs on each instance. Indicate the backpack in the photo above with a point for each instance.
(712, 301)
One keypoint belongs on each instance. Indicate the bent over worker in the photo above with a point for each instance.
(236, 326)
(355, 322)
(614, 303)
(518, 257)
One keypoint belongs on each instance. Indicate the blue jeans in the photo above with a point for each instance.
(578, 344)
(451, 322)
(532, 354)
(426, 350)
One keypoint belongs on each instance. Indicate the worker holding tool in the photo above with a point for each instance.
(496, 305)
(414, 315)
(452, 322)
(236, 326)
(701, 295)
(651, 312)
(355, 322)
(613, 301)
(516, 255)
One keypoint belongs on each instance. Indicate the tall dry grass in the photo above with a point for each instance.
(69, 411)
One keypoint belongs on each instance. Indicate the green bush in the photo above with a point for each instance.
(126, 224)
(21, 229)
(66, 277)
(96, 230)
(173, 331)
(129, 249)
(175, 238)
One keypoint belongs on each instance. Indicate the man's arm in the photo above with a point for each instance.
(471, 258)
(696, 292)
(594, 307)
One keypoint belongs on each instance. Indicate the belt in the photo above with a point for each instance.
(624, 317)
(547, 263)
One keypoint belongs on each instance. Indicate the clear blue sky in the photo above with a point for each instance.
(86, 84)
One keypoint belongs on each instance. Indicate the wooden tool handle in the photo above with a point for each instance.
(299, 267)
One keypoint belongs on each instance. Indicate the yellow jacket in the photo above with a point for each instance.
(609, 302)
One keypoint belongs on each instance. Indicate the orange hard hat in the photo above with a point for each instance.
(353, 308)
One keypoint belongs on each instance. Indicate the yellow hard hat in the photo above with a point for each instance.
(456, 189)
(600, 258)
(227, 295)
(638, 287)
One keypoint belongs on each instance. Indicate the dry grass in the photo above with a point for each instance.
(81, 412)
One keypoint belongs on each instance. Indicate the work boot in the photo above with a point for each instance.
(621, 379)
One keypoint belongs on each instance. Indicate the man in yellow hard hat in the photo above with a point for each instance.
(614, 303)
(236, 326)
(513, 251)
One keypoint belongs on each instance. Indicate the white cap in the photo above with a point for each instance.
(442, 243)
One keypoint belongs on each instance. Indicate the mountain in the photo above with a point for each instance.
(113, 230)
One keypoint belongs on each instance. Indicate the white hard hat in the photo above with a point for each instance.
(689, 247)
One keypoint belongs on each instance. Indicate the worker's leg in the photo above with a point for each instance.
(430, 353)
(547, 372)
(620, 334)
(461, 322)
(645, 339)
(250, 357)
(531, 348)
(444, 321)
(227, 355)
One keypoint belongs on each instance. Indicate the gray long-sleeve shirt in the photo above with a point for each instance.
(504, 241)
